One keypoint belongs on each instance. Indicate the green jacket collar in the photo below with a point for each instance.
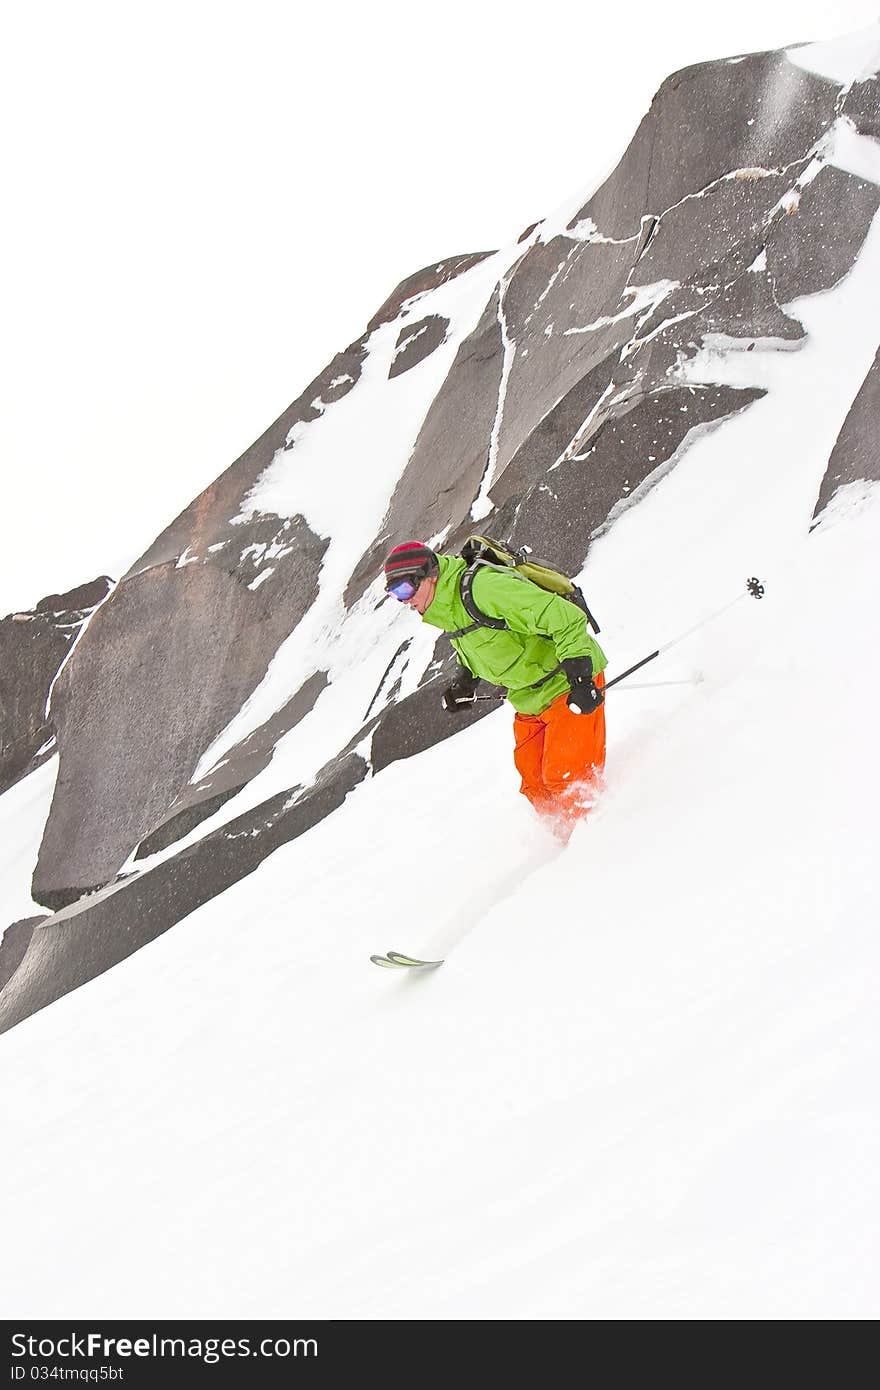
(445, 609)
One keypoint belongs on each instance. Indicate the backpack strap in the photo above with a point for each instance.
(577, 597)
(469, 603)
(480, 618)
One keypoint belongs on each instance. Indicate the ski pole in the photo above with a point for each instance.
(661, 685)
(643, 685)
(754, 588)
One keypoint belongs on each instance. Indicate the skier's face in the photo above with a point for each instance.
(423, 595)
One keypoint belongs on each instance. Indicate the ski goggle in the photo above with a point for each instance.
(403, 589)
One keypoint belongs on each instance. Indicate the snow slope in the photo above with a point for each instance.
(643, 1083)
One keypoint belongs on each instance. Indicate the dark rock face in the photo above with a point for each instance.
(814, 246)
(13, 946)
(759, 111)
(574, 395)
(82, 600)
(32, 647)
(856, 456)
(862, 106)
(748, 308)
(178, 826)
(159, 699)
(417, 341)
(716, 235)
(239, 766)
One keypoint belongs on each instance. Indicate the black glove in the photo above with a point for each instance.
(461, 693)
(585, 696)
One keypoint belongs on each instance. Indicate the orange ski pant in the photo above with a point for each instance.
(560, 757)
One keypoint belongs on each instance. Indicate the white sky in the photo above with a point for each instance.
(203, 203)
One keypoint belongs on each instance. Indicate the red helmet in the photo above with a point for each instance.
(412, 560)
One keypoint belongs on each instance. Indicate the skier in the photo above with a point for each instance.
(544, 656)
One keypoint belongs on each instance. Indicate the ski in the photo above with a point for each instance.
(384, 962)
(395, 960)
(400, 959)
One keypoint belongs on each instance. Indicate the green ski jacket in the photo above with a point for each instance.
(545, 629)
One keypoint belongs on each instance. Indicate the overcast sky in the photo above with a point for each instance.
(204, 202)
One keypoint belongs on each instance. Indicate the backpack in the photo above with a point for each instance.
(483, 550)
